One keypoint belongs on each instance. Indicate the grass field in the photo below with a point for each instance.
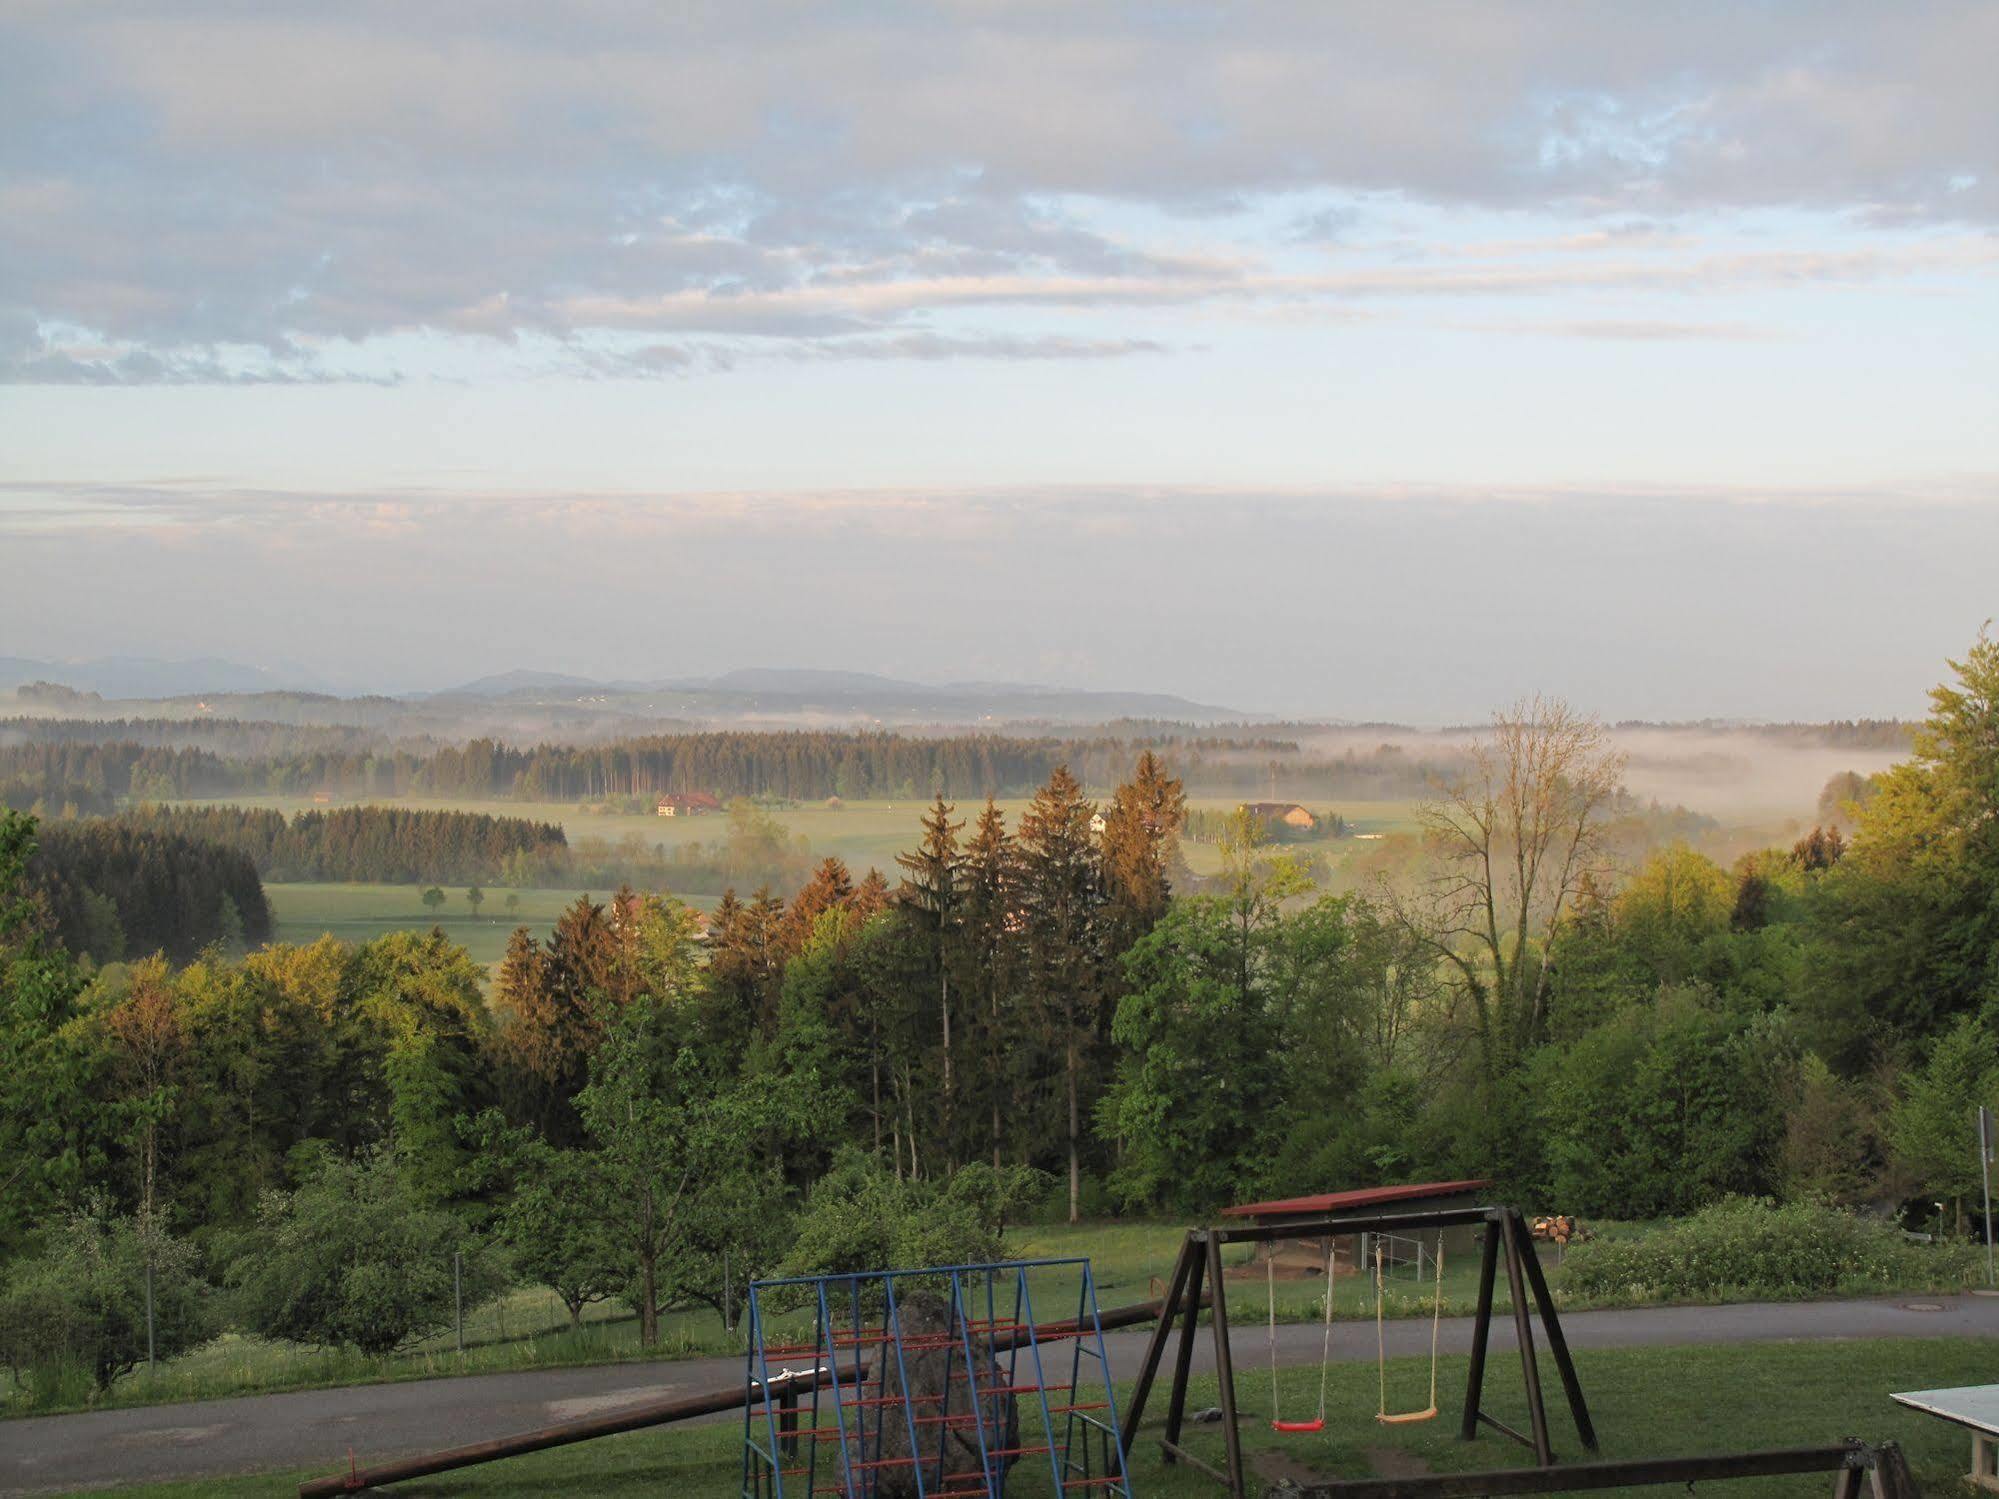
(1646, 1402)
(356, 913)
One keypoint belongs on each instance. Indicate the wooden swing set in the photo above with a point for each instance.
(1506, 1241)
(1382, 1413)
(1850, 1463)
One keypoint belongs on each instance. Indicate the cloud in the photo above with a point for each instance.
(198, 506)
(990, 346)
(1626, 330)
(227, 190)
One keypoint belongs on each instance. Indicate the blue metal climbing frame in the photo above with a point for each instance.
(928, 1383)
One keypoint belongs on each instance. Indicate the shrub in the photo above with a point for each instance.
(1747, 1246)
(859, 1216)
(80, 1305)
(357, 1257)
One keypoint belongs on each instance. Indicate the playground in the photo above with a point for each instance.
(1324, 1412)
(912, 1382)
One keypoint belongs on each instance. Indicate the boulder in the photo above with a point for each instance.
(937, 1386)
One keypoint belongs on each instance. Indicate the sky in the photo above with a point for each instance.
(1318, 358)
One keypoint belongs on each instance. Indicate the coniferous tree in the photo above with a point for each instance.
(1063, 904)
(557, 1000)
(990, 929)
(871, 897)
(931, 897)
(1139, 847)
(831, 887)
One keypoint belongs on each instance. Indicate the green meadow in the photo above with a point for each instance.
(358, 913)
(1648, 1402)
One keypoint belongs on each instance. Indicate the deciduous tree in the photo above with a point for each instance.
(1514, 837)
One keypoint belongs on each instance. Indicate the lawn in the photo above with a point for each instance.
(1646, 1402)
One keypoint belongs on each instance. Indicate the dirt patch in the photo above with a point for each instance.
(1393, 1462)
(1279, 1467)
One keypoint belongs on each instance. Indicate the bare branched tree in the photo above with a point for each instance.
(1513, 837)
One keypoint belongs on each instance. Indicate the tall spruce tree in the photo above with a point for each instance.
(1063, 903)
(931, 897)
(991, 931)
(1139, 844)
(744, 970)
(555, 1000)
(830, 888)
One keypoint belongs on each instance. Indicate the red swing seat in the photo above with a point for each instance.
(1317, 1424)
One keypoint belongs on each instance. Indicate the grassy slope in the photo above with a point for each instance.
(1647, 1402)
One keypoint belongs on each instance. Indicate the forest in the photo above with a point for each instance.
(1016, 1018)
(110, 890)
(391, 845)
(89, 772)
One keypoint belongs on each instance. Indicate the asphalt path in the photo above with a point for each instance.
(321, 1428)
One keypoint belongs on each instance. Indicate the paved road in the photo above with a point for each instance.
(55, 1454)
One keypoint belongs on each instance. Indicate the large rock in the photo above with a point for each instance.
(953, 1451)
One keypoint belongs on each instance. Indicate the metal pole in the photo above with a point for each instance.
(1985, 1174)
(149, 1315)
(458, 1295)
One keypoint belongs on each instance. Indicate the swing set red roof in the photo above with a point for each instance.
(1365, 1197)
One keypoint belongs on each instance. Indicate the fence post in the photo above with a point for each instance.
(458, 1296)
(1985, 1175)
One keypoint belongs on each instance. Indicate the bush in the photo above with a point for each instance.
(859, 1217)
(357, 1257)
(80, 1306)
(1747, 1246)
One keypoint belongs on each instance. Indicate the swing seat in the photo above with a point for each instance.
(1318, 1424)
(1405, 1418)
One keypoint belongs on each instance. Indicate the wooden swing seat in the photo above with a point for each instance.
(1299, 1426)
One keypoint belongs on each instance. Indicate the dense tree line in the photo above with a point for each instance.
(71, 770)
(231, 738)
(1837, 733)
(89, 764)
(891, 1066)
(111, 890)
(389, 845)
(798, 765)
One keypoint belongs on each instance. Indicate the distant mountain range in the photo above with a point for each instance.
(846, 694)
(141, 676)
(757, 693)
